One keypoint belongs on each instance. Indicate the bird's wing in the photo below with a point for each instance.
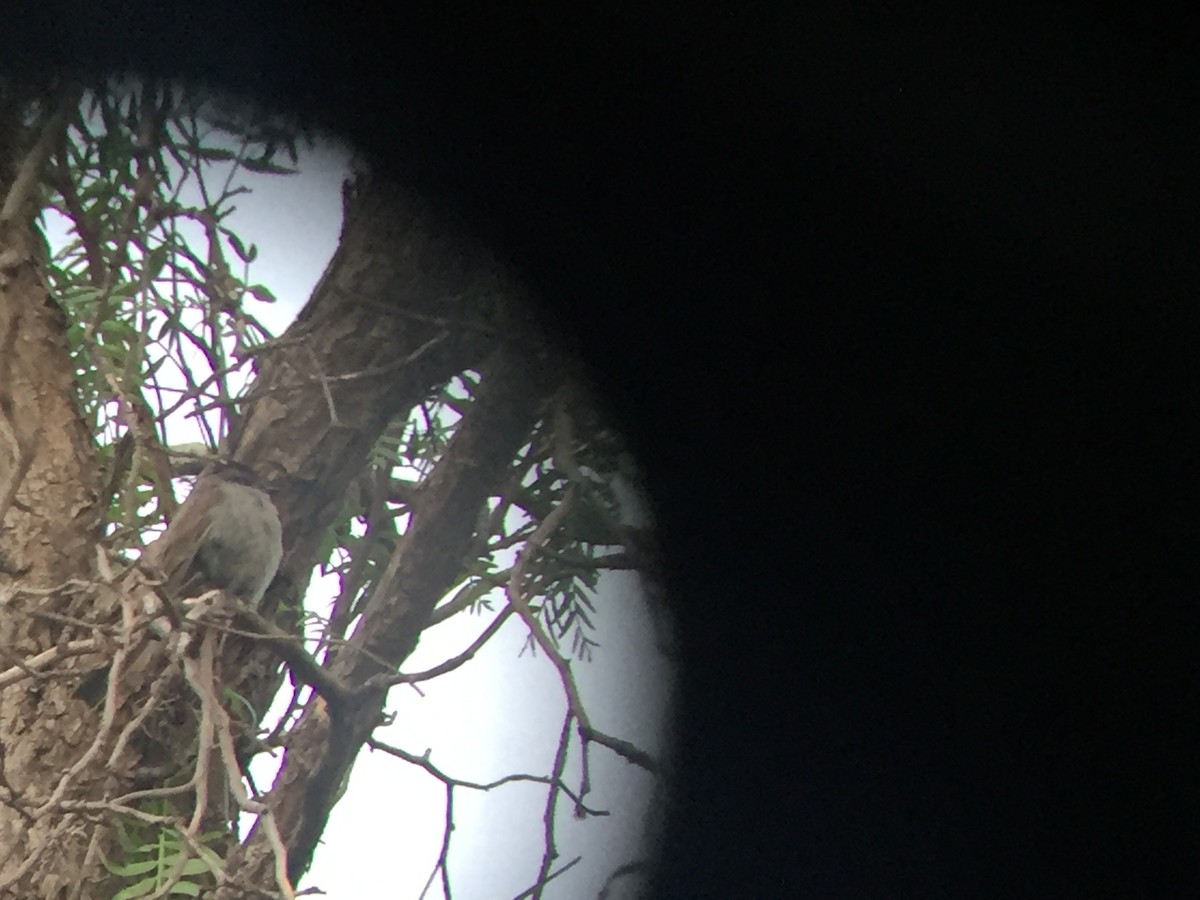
(174, 552)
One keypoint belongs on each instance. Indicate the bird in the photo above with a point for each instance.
(226, 535)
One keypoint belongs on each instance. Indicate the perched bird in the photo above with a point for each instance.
(225, 535)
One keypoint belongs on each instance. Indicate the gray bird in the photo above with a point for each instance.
(226, 534)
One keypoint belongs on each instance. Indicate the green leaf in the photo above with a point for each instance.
(215, 154)
(154, 261)
(246, 256)
(140, 868)
(117, 330)
(195, 866)
(128, 870)
(266, 167)
(261, 293)
(238, 698)
(143, 888)
(98, 190)
(80, 296)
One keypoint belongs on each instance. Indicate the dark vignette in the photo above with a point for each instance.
(900, 312)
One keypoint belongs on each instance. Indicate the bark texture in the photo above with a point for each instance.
(48, 477)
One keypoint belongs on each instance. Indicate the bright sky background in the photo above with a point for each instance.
(499, 714)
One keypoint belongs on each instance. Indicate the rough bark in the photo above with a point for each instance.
(48, 523)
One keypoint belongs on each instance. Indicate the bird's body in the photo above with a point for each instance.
(225, 535)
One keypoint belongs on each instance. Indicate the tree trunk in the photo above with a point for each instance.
(48, 480)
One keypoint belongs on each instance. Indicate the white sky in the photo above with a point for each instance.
(499, 714)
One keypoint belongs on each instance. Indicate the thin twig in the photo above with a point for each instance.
(425, 763)
(536, 890)
(551, 850)
(455, 662)
(620, 747)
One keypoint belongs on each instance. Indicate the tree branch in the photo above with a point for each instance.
(20, 192)
(620, 747)
(303, 665)
(453, 663)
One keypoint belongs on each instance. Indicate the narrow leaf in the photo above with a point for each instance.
(266, 167)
